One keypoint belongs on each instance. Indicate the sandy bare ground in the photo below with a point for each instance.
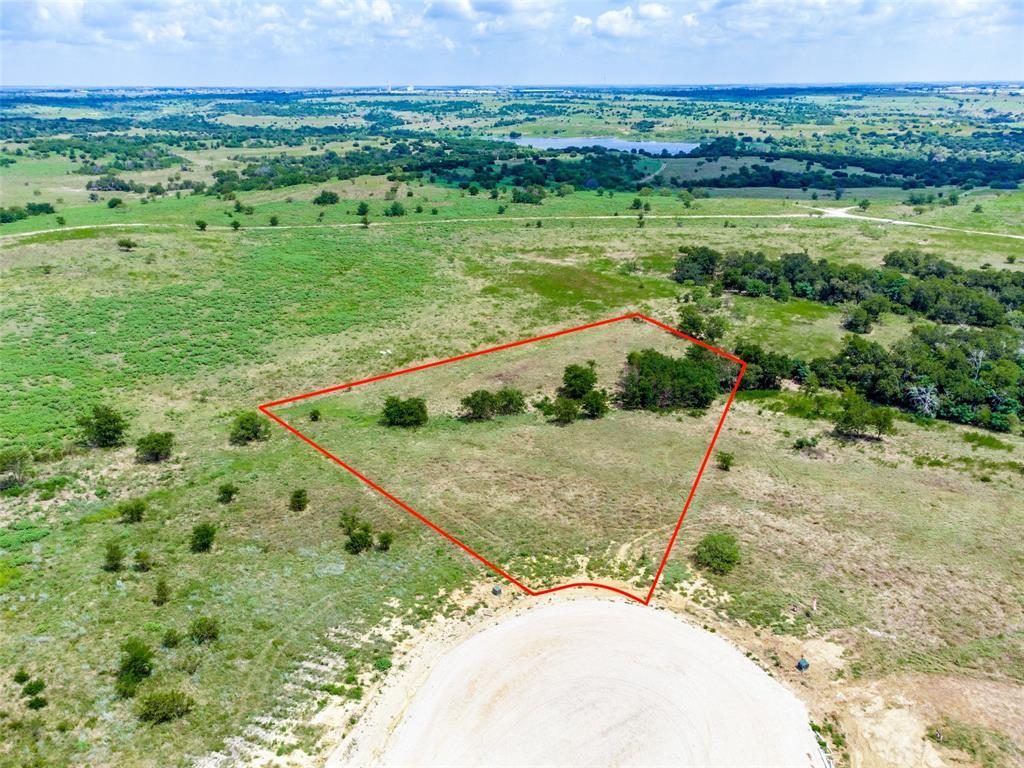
(586, 681)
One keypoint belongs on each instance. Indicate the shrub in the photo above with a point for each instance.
(718, 553)
(384, 540)
(154, 447)
(348, 521)
(204, 629)
(479, 405)
(171, 639)
(363, 208)
(382, 663)
(411, 412)
(724, 460)
(236, 224)
(274, 221)
(200, 225)
(565, 410)
(326, 197)
(299, 500)
(202, 537)
(594, 404)
(36, 702)
(577, 380)
(113, 556)
(143, 561)
(856, 416)
(132, 510)
(805, 442)
(249, 427)
(37, 686)
(163, 592)
(103, 428)
(314, 415)
(395, 209)
(136, 665)
(857, 320)
(126, 243)
(359, 539)
(14, 464)
(164, 706)
(509, 402)
(115, 202)
(21, 676)
(226, 492)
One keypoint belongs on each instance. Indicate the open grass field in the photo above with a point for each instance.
(894, 564)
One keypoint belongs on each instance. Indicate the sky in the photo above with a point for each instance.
(326, 43)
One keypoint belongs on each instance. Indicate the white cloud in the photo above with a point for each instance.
(581, 25)
(618, 23)
(653, 11)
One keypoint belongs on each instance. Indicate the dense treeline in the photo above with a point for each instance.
(17, 213)
(905, 172)
(130, 153)
(484, 164)
(909, 282)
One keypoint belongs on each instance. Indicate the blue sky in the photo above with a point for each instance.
(479, 42)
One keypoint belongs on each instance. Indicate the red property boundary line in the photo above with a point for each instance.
(265, 408)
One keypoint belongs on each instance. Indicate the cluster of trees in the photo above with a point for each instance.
(361, 534)
(657, 382)
(482, 404)
(909, 282)
(577, 397)
(104, 427)
(17, 212)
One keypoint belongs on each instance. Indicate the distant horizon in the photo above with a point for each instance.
(400, 88)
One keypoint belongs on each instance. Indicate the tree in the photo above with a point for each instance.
(202, 537)
(654, 381)
(132, 510)
(509, 402)
(204, 629)
(299, 500)
(248, 427)
(411, 412)
(594, 404)
(103, 428)
(14, 464)
(274, 221)
(363, 209)
(126, 243)
(136, 665)
(115, 202)
(857, 320)
(200, 225)
(479, 405)
(163, 592)
(236, 224)
(227, 492)
(864, 204)
(326, 197)
(113, 557)
(395, 209)
(154, 447)
(164, 706)
(718, 553)
(577, 380)
(565, 410)
(857, 416)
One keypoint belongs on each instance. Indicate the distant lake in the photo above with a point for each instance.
(650, 147)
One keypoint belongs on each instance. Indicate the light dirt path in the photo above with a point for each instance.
(583, 682)
(817, 213)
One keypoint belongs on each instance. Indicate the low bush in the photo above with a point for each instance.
(724, 460)
(718, 553)
(103, 427)
(359, 539)
(136, 665)
(384, 540)
(202, 537)
(154, 447)
(299, 500)
(227, 492)
(171, 638)
(249, 427)
(578, 380)
(164, 706)
(143, 562)
(509, 402)
(565, 410)
(204, 629)
(162, 592)
(34, 687)
(594, 404)
(113, 557)
(411, 412)
(326, 197)
(479, 405)
(131, 511)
